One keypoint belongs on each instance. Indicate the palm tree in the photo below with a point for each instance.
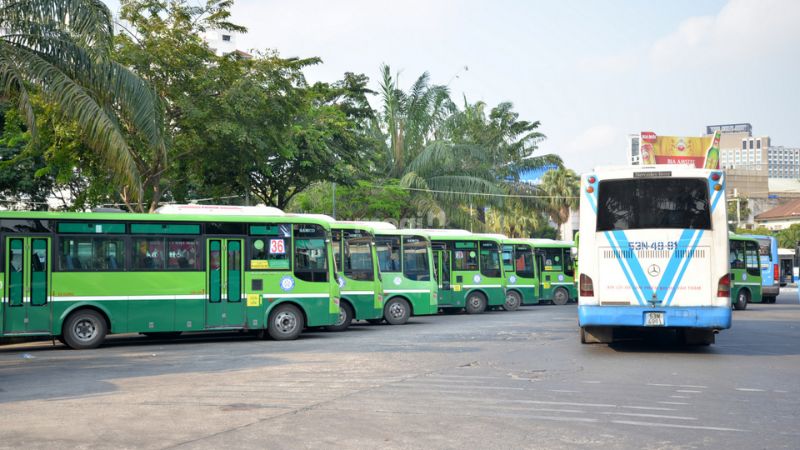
(61, 50)
(561, 188)
(410, 119)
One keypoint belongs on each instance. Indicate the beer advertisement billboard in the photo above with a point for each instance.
(701, 152)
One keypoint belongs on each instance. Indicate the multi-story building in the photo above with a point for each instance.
(783, 162)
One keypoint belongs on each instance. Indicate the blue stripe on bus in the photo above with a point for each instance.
(685, 265)
(672, 267)
(636, 268)
(619, 258)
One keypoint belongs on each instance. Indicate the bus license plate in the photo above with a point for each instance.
(654, 319)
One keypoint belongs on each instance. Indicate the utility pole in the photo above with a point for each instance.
(333, 193)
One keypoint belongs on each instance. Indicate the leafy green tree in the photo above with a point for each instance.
(363, 201)
(61, 49)
(272, 135)
(561, 187)
(163, 43)
(789, 237)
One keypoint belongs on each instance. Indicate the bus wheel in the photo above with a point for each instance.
(285, 322)
(345, 317)
(742, 299)
(512, 301)
(84, 329)
(560, 296)
(476, 303)
(397, 311)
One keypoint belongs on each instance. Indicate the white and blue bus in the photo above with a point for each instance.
(653, 252)
(770, 269)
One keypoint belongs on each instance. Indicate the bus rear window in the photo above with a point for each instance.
(765, 247)
(633, 204)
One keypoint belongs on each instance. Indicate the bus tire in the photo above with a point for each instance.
(285, 323)
(560, 296)
(476, 303)
(345, 317)
(742, 299)
(84, 329)
(513, 300)
(397, 311)
(597, 335)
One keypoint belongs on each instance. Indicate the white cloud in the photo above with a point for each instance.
(743, 31)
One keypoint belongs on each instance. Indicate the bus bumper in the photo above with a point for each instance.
(770, 291)
(634, 316)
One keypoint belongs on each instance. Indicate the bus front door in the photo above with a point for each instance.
(224, 275)
(441, 261)
(27, 308)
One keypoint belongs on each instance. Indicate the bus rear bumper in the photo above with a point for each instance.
(674, 317)
(771, 291)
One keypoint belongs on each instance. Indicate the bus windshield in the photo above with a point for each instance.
(631, 204)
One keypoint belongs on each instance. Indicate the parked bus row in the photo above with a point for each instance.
(80, 276)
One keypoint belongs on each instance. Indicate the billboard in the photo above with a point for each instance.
(701, 152)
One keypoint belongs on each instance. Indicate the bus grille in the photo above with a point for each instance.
(654, 254)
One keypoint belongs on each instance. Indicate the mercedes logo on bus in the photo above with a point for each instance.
(653, 270)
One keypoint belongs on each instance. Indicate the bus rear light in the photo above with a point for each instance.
(590, 189)
(586, 286)
(591, 180)
(715, 176)
(724, 286)
(717, 187)
(776, 274)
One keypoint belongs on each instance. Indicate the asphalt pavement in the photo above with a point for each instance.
(497, 380)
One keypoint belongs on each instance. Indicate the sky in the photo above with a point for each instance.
(590, 71)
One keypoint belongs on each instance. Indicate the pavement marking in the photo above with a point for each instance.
(591, 382)
(750, 390)
(674, 425)
(566, 391)
(457, 386)
(651, 416)
(673, 403)
(688, 391)
(649, 408)
(677, 385)
(679, 396)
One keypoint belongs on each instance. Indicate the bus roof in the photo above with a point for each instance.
(194, 209)
(184, 217)
(399, 232)
(654, 171)
(376, 225)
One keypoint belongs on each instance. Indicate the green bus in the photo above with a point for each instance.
(360, 278)
(406, 268)
(79, 276)
(468, 270)
(555, 262)
(521, 272)
(745, 271)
